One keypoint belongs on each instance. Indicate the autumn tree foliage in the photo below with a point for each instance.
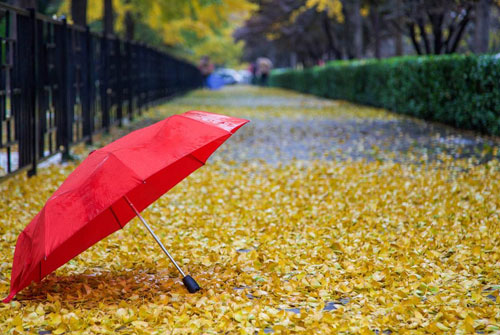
(291, 32)
(189, 29)
(308, 28)
(310, 31)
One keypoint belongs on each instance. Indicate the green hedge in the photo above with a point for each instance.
(463, 91)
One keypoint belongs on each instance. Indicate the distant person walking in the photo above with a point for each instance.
(264, 66)
(253, 70)
(206, 68)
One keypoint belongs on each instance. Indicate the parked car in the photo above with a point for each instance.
(229, 76)
(246, 76)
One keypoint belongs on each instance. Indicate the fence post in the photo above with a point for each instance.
(148, 76)
(35, 113)
(119, 80)
(104, 95)
(65, 108)
(140, 76)
(128, 51)
(88, 85)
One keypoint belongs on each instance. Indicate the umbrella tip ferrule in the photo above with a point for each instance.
(191, 284)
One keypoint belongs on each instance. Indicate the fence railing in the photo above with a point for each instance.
(60, 84)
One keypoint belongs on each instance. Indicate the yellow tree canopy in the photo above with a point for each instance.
(333, 8)
(194, 28)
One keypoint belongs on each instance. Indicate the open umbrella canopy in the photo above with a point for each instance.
(100, 196)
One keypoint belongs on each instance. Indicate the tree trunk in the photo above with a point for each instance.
(437, 31)
(460, 32)
(79, 12)
(375, 16)
(423, 35)
(346, 34)
(413, 37)
(398, 36)
(129, 26)
(293, 60)
(108, 17)
(329, 35)
(482, 26)
(353, 29)
(357, 28)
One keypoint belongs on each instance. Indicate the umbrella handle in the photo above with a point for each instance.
(191, 284)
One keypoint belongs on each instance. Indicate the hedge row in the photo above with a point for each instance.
(463, 91)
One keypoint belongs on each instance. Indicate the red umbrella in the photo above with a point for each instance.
(111, 186)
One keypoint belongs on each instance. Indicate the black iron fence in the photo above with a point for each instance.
(60, 84)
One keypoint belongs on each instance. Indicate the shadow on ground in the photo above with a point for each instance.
(88, 290)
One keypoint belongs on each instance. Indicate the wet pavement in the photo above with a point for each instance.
(304, 127)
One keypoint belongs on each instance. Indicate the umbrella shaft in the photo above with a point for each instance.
(155, 237)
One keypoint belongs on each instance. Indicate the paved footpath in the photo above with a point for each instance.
(286, 125)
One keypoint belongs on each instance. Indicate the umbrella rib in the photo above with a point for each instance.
(116, 218)
(196, 159)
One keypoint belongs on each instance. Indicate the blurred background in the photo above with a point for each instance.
(290, 33)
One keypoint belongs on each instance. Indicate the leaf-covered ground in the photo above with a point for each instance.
(317, 217)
